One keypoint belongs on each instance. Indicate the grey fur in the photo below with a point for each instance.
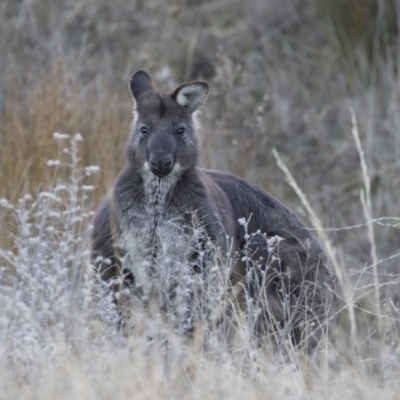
(160, 220)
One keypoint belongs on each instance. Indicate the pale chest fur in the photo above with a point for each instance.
(155, 233)
(166, 249)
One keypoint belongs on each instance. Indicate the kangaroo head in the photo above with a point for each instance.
(163, 134)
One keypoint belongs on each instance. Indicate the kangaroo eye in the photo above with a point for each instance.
(180, 131)
(144, 130)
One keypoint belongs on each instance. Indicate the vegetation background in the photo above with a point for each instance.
(283, 74)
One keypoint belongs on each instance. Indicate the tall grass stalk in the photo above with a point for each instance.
(365, 197)
(315, 220)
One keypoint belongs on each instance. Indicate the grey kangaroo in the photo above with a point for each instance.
(169, 224)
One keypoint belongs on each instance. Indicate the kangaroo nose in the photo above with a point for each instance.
(161, 164)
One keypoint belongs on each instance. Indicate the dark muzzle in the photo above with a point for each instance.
(161, 164)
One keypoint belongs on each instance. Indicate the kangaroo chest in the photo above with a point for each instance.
(165, 249)
(155, 234)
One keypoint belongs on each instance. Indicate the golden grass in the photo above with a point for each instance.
(57, 103)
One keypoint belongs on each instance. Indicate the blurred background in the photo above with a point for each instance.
(283, 74)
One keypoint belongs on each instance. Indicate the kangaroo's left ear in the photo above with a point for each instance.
(191, 95)
(140, 83)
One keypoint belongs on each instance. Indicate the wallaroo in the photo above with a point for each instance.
(202, 245)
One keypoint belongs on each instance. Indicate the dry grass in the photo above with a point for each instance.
(283, 74)
(57, 103)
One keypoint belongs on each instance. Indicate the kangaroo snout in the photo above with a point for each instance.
(161, 164)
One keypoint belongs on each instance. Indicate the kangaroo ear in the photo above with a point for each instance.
(139, 83)
(191, 95)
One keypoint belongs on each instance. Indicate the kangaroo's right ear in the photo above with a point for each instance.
(191, 96)
(140, 83)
